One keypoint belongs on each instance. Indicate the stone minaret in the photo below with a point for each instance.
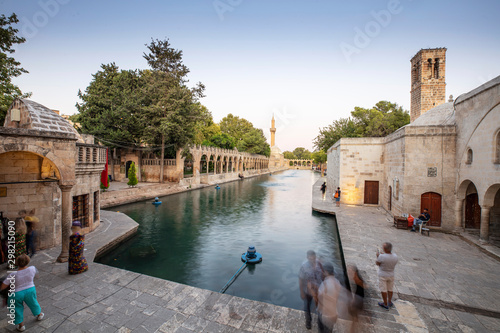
(273, 132)
(428, 86)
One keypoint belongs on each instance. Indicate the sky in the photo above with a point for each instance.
(308, 62)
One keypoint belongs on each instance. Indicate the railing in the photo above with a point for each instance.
(90, 154)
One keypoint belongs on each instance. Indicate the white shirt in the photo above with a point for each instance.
(23, 278)
(387, 263)
(328, 294)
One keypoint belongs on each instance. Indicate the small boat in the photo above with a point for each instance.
(217, 187)
(156, 202)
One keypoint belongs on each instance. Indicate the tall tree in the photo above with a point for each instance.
(206, 128)
(111, 106)
(173, 109)
(9, 67)
(221, 140)
(341, 128)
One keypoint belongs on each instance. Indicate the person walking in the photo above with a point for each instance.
(76, 263)
(336, 196)
(328, 295)
(357, 303)
(386, 263)
(20, 237)
(310, 277)
(25, 291)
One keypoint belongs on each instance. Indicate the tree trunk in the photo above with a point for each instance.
(162, 157)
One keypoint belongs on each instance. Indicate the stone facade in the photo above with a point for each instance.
(428, 85)
(47, 169)
(448, 157)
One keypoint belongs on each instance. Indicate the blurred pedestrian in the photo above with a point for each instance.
(336, 196)
(357, 303)
(386, 263)
(31, 234)
(328, 295)
(20, 236)
(310, 277)
(77, 263)
(25, 291)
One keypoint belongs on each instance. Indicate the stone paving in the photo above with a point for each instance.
(440, 268)
(453, 284)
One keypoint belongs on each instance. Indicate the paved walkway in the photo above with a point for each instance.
(453, 284)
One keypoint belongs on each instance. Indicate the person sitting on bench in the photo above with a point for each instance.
(424, 217)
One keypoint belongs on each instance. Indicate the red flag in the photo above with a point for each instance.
(104, 173)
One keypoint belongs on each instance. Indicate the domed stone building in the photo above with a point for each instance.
(49, 171)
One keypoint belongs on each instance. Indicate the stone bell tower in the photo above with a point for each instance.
(428, 86)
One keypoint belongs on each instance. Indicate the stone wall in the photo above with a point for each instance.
(43, 198)
(359, 160)
(429, 166)
(394, 164)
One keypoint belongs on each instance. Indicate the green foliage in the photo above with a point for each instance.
(221, 140)
(112, 105)
(302, 153)
(235, 126)
(206, 128)
(9, 67)
(319, 157)
(381, 120)
(104, 187)
(249, 139)
(289, 155)
(132, 175)
(254, 142)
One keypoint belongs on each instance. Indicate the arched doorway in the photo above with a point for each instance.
(127, 167)
(188, 164)
(432, 201)
(472, 211)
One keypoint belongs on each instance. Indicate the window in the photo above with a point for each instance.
(81, 209)
(436, 68)
(469, 156)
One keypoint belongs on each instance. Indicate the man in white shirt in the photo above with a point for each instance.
(386, 263)
(328, 295)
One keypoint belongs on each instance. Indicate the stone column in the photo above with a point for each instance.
(484, 231)
(458, 215)
(66, 220)
(227, 165)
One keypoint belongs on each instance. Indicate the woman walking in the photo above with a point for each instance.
(20, 237)
(25, 291)
(77, 263)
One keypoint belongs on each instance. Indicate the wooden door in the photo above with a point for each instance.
(472, 212)
(432, 201)
(389, 205)
(371, 192)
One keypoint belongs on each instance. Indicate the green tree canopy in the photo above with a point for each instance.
(9, 67)
(381, 120)
(111, 106)
(221, 140)
(254, 142)
(289, 155)
(206, 128)
(302, 153)
(235, 126)
(319, 157)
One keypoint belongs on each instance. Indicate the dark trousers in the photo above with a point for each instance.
(307, 308)
(30, 243)
(322, 328)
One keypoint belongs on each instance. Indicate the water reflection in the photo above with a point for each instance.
(199, 236)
